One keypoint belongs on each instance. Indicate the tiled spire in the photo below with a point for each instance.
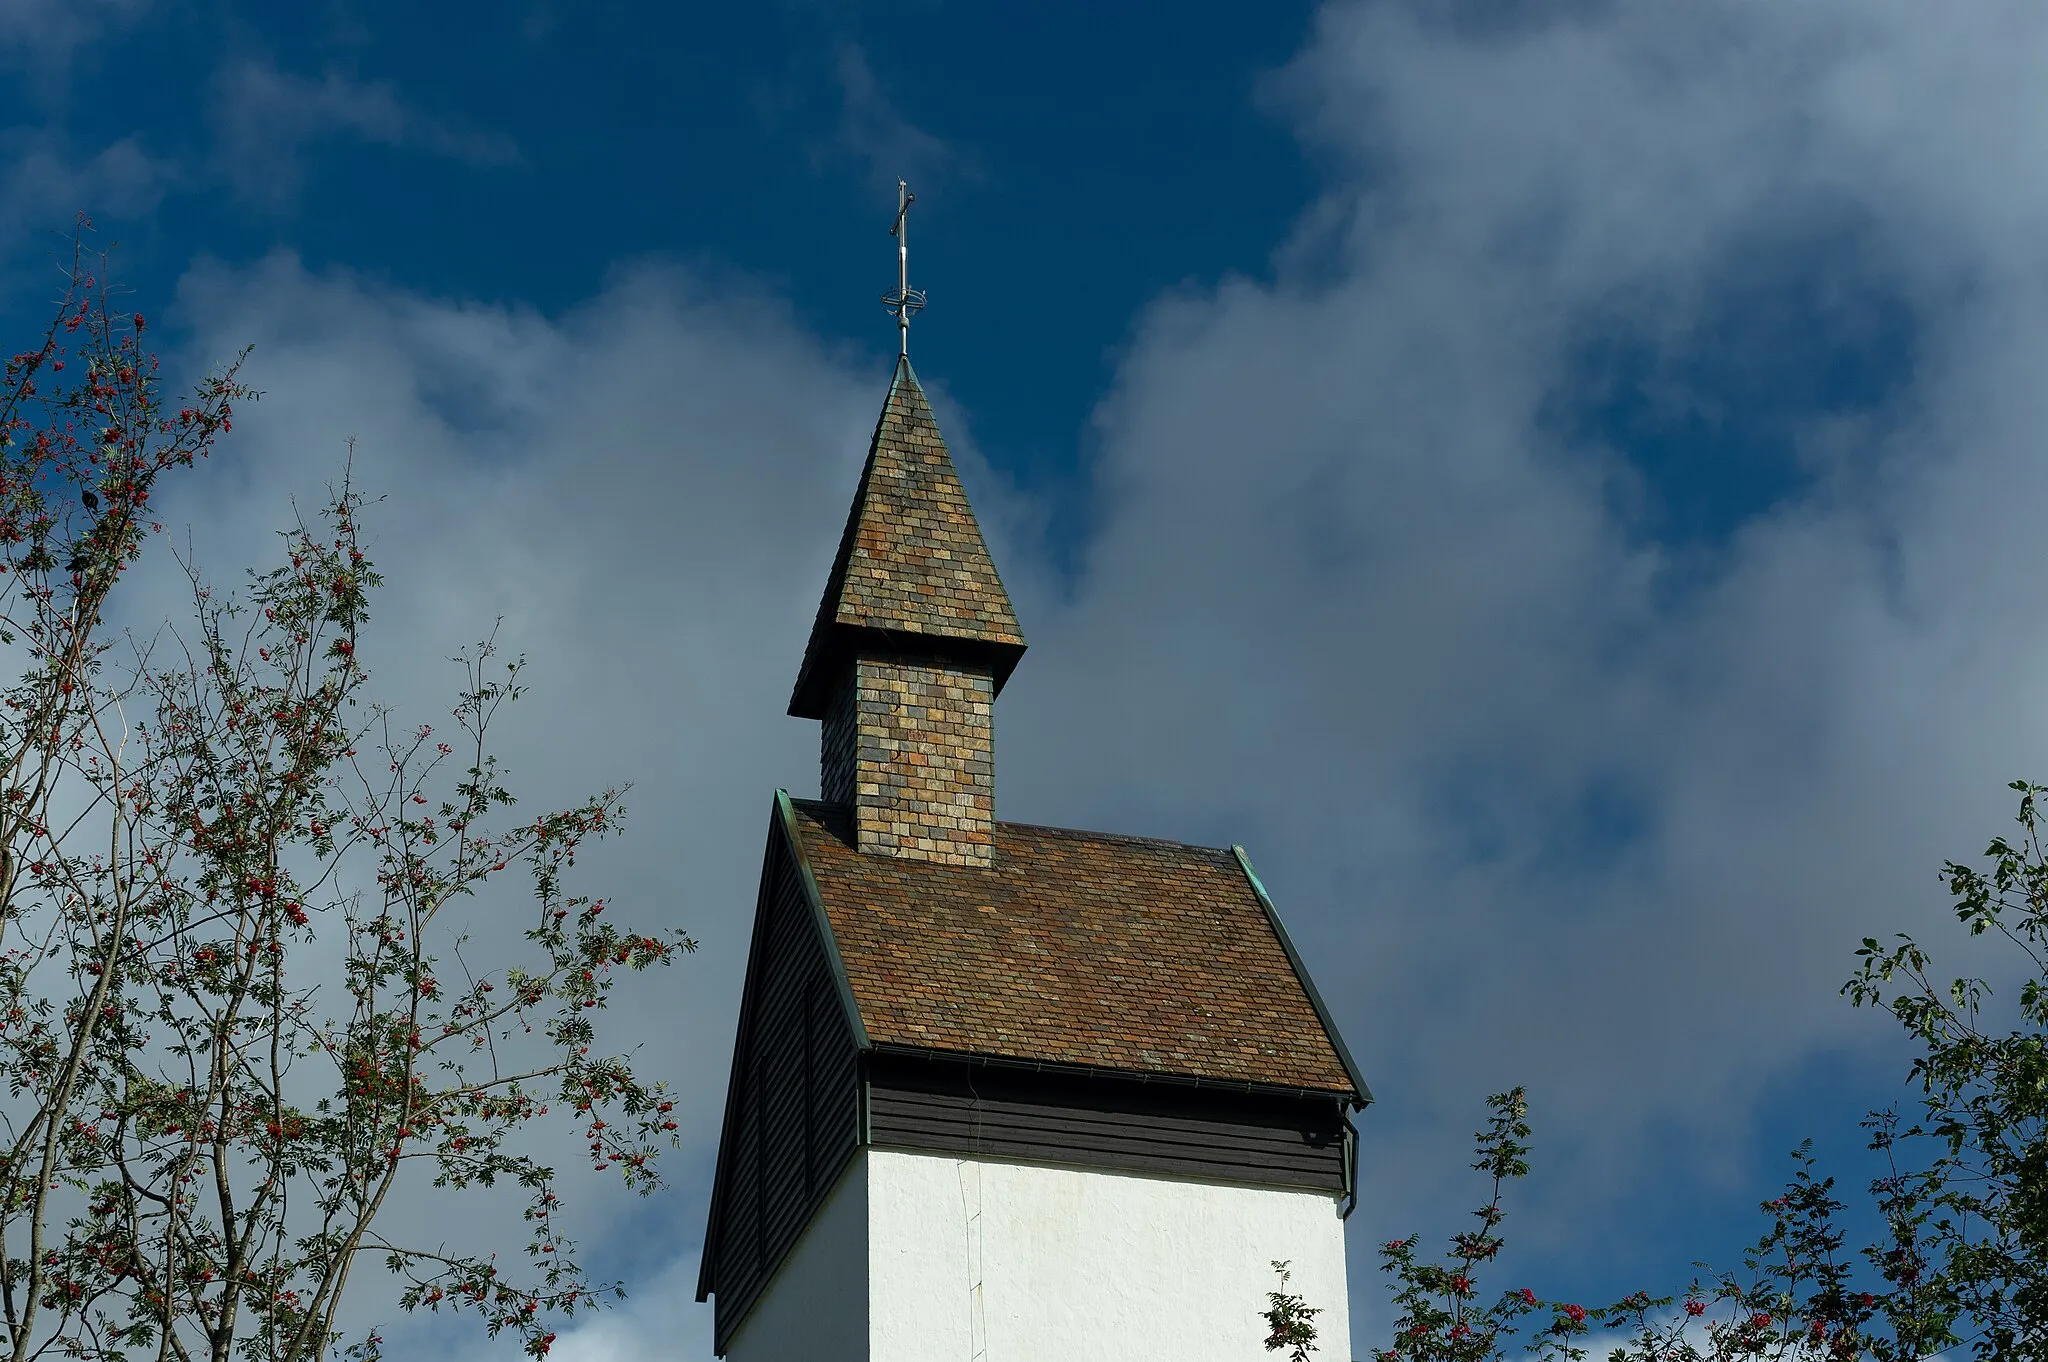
(914, 638)
(913, 572)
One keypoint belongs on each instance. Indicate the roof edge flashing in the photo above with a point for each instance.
(1315, 999)
(785, 813)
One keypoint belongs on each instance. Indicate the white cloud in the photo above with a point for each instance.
(1551, 794)
(44, 182)
(1555, 797)
(49, 30)
(264, 117)
(648, 490)
(663, 1320)
(874, 132)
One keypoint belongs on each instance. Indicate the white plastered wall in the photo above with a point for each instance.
(922, 1258)
(977, 1260)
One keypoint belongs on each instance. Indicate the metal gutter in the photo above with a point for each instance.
(865, 1080)
(1051, 1066)
(1350, 1168)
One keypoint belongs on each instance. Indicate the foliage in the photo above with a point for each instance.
(1290, 1320)
(236, 1017)
(1441, 1318)
(1798, 1297)
(1983, 1199)
(1963, 1195)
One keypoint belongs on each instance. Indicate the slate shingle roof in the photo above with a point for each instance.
(912, 563)
(1076, 948)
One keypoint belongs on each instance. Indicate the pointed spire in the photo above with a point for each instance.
(913, 573)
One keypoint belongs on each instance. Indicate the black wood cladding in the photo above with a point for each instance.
(1106, 1121)
(795, 1097)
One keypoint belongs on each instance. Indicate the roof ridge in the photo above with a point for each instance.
(1092, 834)
(1136, 839)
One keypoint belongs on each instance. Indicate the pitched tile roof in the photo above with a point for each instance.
(911, 560)
(1076, 948)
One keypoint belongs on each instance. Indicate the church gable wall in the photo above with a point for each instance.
(795, 1103)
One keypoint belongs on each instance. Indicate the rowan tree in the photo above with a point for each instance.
(1961, 1260)
(235, 1013)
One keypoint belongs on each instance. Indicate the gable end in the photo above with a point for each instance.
(793, 1105)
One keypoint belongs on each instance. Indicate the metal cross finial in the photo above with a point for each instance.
(905, 300)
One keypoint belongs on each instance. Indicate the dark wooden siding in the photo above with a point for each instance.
(1108, 1121)
(793, 1107)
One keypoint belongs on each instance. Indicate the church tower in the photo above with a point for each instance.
(915, 637)
(1002, 1092)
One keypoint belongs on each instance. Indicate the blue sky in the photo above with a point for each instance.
(1560, 487)
(1090, 159)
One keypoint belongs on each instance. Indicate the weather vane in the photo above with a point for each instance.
(905, 300)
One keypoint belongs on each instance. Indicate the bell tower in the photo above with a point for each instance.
(999, 1092)
(914, 639)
